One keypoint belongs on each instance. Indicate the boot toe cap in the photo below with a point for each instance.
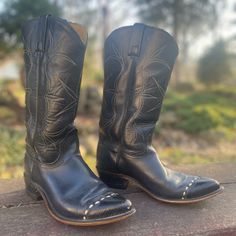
(202, 187)
(109, 206)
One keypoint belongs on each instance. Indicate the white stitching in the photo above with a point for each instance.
(188, 187)
(97, 202)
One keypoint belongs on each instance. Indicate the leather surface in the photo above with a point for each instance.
(54, 55)
(138, 61)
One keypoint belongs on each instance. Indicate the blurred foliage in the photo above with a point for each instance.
(84, 12)
(215, 65)
(181, 16)
(186, 19)
(176, 156)
(12, 151)
(202, 111)
(15, 13)
(11, 102)
(9, 90)
(91, 71)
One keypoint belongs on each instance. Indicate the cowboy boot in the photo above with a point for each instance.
(138, 62)
(54, 169)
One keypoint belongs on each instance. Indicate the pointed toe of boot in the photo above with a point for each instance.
(109, 208)
(203, 188)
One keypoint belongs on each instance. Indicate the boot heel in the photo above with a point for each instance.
(31, 190)
(113, 181)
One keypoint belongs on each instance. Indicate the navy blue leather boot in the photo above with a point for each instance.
(138, 62)
(54, 168)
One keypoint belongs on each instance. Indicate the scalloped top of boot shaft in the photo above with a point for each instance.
(150, 38)
(50, 33)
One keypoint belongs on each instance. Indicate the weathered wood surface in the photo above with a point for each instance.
(19, 215)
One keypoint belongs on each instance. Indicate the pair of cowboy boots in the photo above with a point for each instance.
(138, 62)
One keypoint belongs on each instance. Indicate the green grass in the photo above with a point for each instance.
(12, 151)
(178, 155)
(210, 109)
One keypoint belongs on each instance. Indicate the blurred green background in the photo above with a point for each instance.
(198, 120)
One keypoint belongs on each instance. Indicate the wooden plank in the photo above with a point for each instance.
(152, 218)
(19, 215)
(11, 185)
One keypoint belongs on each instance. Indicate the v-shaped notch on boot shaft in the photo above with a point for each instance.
(35, 32)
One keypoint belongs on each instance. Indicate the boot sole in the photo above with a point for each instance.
(36, 193)
(121, 181)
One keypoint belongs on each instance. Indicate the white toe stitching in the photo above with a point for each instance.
(188, 187)
(96, 203)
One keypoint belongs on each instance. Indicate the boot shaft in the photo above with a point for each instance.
(138, 61)
(53, 54)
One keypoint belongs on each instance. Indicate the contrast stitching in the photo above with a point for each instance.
(96, 203)
(188, 187)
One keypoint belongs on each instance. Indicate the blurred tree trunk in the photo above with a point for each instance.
(105, 19)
